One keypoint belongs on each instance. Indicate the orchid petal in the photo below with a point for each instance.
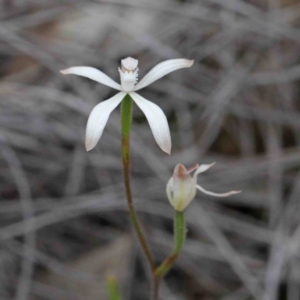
(98, 119)
(157, 121)
(202, 169)
(217, 194)
(93, 74)
(163, 69)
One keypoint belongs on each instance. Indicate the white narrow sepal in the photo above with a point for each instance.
(93, 74)
(203, 168)
(157, 120)
(98, 119)
(200, 188)
(163, 69)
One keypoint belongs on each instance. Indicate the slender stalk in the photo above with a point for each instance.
(179, 238)
(155, 289)
(113, 288)
(126, 118)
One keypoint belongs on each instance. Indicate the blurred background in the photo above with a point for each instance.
(63, 214)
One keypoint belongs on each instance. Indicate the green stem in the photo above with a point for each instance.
(126, 118)
(156, 282)
(179, 238)
(113, 288)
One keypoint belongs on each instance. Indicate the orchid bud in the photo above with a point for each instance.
(181, 188)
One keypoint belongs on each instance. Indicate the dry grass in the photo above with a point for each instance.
(238, 105)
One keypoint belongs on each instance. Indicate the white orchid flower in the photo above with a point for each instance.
(129, 77)
(181, 188)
